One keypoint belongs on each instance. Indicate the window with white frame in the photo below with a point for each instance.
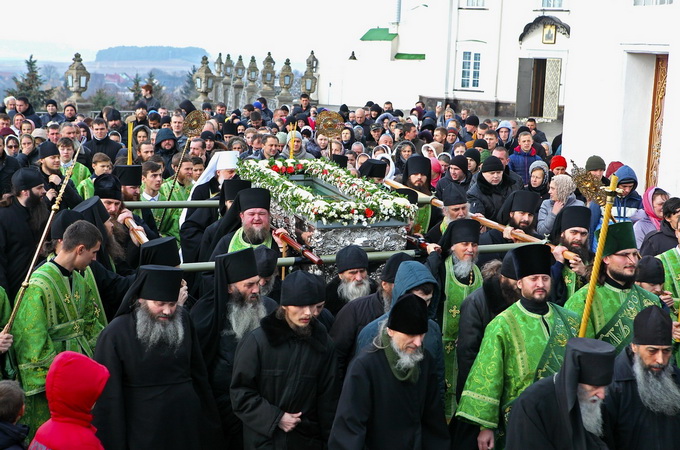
(474, 3)
(651, 2)
(469, 78)
(551, 3)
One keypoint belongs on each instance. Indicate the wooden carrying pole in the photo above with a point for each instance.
(137, 235)
(597, 262)
(53, 211)
(483, 220)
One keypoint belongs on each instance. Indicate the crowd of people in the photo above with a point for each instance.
(110, 344)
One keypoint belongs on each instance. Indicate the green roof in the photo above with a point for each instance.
(378, 34)
(409, 56)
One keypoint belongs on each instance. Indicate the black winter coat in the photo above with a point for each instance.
(106, 146)
(349, 322)
(17, 246)
(477, 310)
(628, 423)
(8, 166)
(378, 412)
(536, 421)
(277, 371)
(657, 242)
(487, 199)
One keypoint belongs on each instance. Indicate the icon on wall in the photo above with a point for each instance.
(549, 34)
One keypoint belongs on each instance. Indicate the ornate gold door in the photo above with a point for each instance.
(656, 126)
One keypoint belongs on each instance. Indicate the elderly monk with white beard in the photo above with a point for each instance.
(393, 386)
(222, 317)
(459, 276)
(352, 281)
(642, 408)
(564, 412)
(158, 395)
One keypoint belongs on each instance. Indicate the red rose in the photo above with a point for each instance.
(275, 168)
(353, 211)
(368, 213)
(290, 169)
(324, 172)
(298, 167)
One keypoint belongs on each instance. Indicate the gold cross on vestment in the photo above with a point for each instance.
(449, 347)
(454, 311)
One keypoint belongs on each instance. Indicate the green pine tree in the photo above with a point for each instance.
(188, 90)
(30, 84)
(136, 90)
(102, 98)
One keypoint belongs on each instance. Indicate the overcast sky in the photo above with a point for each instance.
(289, 29)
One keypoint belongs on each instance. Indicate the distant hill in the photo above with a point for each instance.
(152, 53)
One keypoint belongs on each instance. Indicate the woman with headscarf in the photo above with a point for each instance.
(391, 171)
(347, 138)
(561, 191)
(12, 146)
(539, 179)
(436, 172)
(85, 133)
(402, 152)
(649, 218)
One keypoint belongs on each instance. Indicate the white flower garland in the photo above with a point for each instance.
(373, 204)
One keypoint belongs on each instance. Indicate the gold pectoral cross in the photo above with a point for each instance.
(449, 347)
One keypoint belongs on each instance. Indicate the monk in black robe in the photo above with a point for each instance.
(158, 394)
(563, 412)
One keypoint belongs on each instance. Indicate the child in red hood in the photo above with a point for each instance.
(73, 385)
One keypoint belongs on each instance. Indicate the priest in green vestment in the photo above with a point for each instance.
(671, 267)
(570, 233)
(457, 272)
(523, 344)
(60, 311)
(169, 222)
(66, 151)
(417, 175)
(246, 224)
(617, 299)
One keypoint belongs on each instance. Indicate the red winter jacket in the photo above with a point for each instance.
(74, 383)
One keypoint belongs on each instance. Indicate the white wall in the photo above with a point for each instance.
(609, 85)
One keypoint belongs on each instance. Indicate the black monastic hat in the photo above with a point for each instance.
(652, 326)
(108, 186)
(254, 198)
(238, 266)
(650, 270)
(454, 194)
(129, 175)
(302, 288)
(162, 252)
(27, 178)
(389, 272)
(570, 217)
(340, 160)
(47, 148)
(532, 259)
(461, 230)
(266, 260)
(373, 168)
(61, 222)
(351, 257)
(160, 283)
(408, 315)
